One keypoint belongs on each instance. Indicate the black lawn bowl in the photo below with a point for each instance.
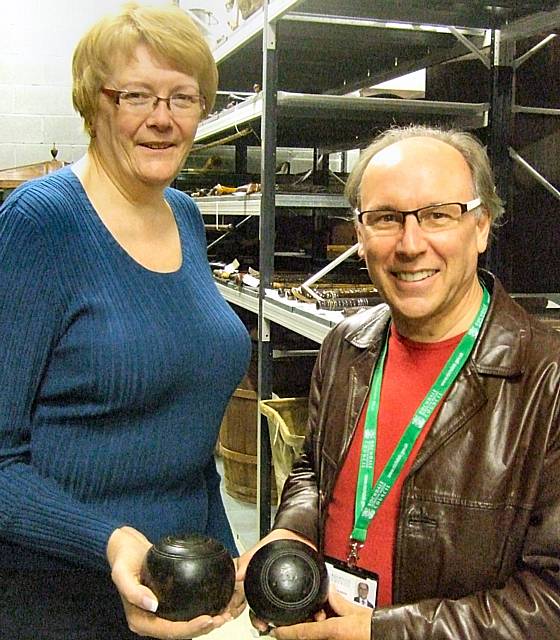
(190, 576)
(286, 582)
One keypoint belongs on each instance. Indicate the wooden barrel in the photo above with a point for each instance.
(238, 447)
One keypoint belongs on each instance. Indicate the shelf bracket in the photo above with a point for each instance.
(231, 230)
(306, 286)
(538, 177)
(528, 54)
(472, 47)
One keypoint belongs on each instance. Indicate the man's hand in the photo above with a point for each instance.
(243, 561)
(352, 622)
(237, 603)
(125, 552)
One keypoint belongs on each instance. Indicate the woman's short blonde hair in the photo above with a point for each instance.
(167, 31)
(470, 148)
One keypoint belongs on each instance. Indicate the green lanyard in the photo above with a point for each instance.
(368, 499)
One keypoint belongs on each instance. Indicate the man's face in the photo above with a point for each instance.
(363, 591)
(428, 279)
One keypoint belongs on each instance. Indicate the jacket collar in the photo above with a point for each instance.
(503, 340)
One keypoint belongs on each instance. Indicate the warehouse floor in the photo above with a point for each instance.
(242, 516)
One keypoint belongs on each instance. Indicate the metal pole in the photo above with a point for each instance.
(266, 259)
(498, 256)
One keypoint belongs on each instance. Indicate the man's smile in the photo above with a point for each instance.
(414, 276)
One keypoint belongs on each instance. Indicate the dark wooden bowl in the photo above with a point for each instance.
(286, 582)
(190, 576)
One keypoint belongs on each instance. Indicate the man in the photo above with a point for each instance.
(362, 597)
(450, 395)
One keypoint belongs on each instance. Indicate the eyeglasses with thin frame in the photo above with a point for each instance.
(433, 218)
(143, 102)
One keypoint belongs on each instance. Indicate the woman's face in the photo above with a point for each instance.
(138, 145)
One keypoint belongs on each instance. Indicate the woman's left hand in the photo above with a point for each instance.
(352, 622)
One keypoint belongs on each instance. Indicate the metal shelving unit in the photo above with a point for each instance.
(307, 55)
(296, 316)
(242, 205)
(300, 317)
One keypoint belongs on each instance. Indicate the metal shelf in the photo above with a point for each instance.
(535, 111)
(382, 39)
(250, 29)
(300, 317)
(243, 205)
(247, 111)
(310, 120)
(473, 17)
(472, 14)
(242, 297)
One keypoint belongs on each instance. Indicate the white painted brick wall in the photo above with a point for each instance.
(38, 38)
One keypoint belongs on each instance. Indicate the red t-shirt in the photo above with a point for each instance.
(411, 369)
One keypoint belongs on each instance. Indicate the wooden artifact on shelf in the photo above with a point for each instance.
(13, 177)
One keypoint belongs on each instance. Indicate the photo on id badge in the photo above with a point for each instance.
(355, 584)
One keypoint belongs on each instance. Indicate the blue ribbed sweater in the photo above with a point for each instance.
(113, 381)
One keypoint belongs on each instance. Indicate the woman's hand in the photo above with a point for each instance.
(352, 622)
(125, 552)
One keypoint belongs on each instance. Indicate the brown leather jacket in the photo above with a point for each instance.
(478, 541)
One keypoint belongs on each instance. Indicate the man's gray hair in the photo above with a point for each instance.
(470, 148)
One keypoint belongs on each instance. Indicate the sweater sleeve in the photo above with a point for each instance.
(34, 511)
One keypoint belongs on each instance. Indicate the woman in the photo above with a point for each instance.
(118, 353)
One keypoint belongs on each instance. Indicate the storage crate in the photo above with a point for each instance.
(287, 423)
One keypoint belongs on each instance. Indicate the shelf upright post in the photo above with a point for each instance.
(499, 258)
(241, 157)
(266, 259)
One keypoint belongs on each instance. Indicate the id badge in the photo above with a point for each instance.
(353, 583)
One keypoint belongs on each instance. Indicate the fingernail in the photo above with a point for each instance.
(149, 604)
